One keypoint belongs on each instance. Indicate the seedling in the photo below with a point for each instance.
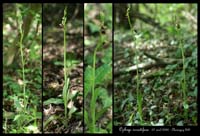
(139, 93)
(66, 82)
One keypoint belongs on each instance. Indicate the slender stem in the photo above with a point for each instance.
(93, 104)
(64, 20)
(139, 95)
(93, 99)
(65, 74)
(66, 79)
(183, 81)
(65, 67)
(184, 77)
(22, 59)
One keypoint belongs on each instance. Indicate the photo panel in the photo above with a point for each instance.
(155, 65)
(22, 68)
(62, 68)
(98, 68)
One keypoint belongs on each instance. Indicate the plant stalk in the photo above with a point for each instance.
(139, 94)
(22, 58)
(66, 79)
(93, 99)
(183, 81)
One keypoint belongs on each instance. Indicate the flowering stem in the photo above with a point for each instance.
(139, 94)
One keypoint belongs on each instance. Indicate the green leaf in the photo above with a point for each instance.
(105, 98)
(107, 56)
(185, 105)
(102, 73)
(79, 115)
(17, 104)
(72, 95)
(88, 59)
(88, 42)
(51, 118)
(100, 130)
(17, 117)
(129, 123)
(58, 63)
(160, 122)
(88, 80)
(72, 110)
(180, 123)
(53, 101)
(65, 91)
(96, 94)
(109, 127)
(193, 93)
(32, 129)
(93, 28)
(86, 120)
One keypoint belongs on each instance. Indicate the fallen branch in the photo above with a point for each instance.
(147, 65)
(154, 58)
